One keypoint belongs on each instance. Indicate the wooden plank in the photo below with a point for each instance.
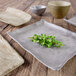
(39, 69)
(27, 69)
(28, 57)
(11, 3)
(73, 2)
(51, 20)
(33, 67)
(8, 28)
(30, 69)
(69, 67)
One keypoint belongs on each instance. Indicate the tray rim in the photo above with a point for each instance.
(9, 70)
(68, 20)
(56, 68)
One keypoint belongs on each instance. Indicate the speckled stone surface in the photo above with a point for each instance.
(14, 16)
(71, 20)
(9, 58)
(54, 58)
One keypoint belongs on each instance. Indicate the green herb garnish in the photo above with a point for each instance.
(45, 40)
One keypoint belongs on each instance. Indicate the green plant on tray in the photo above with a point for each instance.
(45, 40)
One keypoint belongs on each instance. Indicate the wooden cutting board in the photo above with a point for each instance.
(9, 58)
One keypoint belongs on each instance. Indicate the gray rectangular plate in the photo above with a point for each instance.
(71, 20)
(53, 58)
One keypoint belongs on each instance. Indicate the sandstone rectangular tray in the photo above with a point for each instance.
(53, 58)
(9, 58)
(14, 16)
(71, 20)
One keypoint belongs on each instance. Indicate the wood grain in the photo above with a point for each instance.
(32, 67)
(68, 69)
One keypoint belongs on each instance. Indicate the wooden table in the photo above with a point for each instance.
(33, 67)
